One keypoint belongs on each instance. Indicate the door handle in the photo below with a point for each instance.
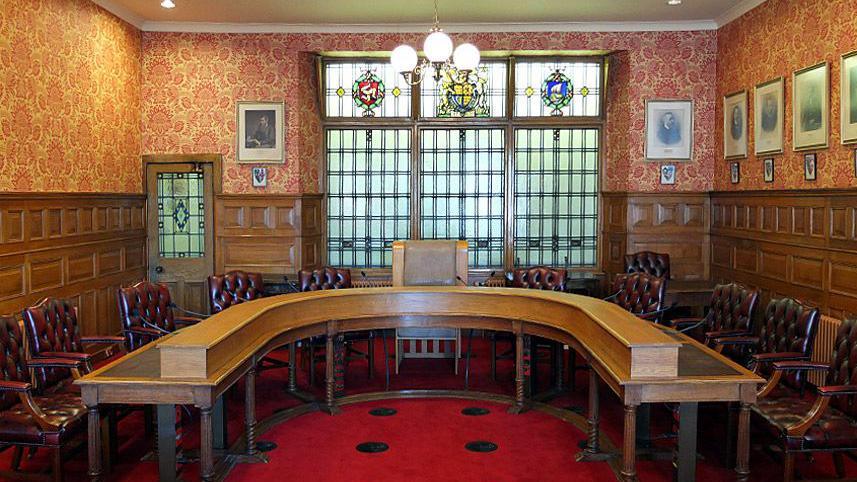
(159, 269)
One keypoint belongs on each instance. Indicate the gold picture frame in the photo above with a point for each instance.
(735, 125)
(811, 107)
(848, 94)
(769, 116)
(260, 132)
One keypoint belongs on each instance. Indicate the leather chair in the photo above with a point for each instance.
(31, 417)
(827, 423)
(330, 278)
(651, 263)
(788, 333)
(146, 312)
(52, 332)
(730, 313)
(640, 294)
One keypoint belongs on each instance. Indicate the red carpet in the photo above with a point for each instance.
(427, 437)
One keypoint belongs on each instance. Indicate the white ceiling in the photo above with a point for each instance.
(404, 15)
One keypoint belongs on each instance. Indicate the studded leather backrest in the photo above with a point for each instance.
(651, 263)
(539, 278)
(789, 326)
(232, 288)
(11, 358)
(843, 365)
(639, 293)
(731, 308)
(326, 278)
(144, 300)
(51, 326)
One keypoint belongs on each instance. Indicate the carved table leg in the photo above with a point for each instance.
(629, 445)
(166, 415)
(94, 428)
(521, 372)
(339, 365)
(742, 466)
(592, 451)
(293, 359)
(685, 462)
(206, 445)
(252, 453)
(330, 367)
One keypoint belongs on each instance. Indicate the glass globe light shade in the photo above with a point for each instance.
(466, 57)
(438, 47)
(404, 58)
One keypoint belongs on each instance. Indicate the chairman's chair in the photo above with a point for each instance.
(146, 313)
(429, 263)
(730, 313)
(640, 294)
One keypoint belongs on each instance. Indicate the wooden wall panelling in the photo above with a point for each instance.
(71, 245)
(272, 234)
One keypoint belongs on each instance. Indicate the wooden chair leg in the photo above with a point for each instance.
(16, 457)
(839, 464)
(788, 467)
(57, 476)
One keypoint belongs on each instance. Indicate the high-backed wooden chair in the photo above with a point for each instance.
(330, 278)
(32, 417)
(146, 312)
(429, 263)
(827, 423)
(649, 262)
(640, 294)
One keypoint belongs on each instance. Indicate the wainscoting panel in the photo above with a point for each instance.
(71, 245)
(272, 234)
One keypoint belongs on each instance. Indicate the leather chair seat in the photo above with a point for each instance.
(834, 430)
(65, 410)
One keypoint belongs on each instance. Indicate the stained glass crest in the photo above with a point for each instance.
(557, 92)
(463, 94)
(368, 92)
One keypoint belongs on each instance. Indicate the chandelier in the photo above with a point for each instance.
(437, 48)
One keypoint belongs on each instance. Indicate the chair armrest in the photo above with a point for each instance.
(16, 387)
(837, 390)
(781, 356)
(724, 333)
(68, 355)
(680, 323)
(144, 331)
(737, 340)
(186, 320)
(799, 365)
(102, 339)
(74, 365)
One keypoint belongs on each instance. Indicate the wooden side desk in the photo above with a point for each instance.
(639, 362)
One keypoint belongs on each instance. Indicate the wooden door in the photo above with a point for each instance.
(180, 229)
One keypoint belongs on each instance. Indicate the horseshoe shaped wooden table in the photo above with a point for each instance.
(640, 362)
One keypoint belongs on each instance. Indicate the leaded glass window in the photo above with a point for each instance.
(181, 214)
(461, 190)
(368, 185)
(556, 197)
(479, 94)
(557, 89)
(365, 89)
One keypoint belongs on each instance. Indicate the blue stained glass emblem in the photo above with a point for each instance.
(181, 215)
(557, 92)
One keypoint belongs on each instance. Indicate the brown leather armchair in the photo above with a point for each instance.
(146, 312)
(31, 417)
(730, 313)
(232, 288)
(826, 424)
(52, 332)
(640, 294)
(651, 263)
(330, 278)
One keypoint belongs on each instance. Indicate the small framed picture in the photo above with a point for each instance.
(810, 110)
(735, 172)
(849, 98)
(668, 174)
(810, 171)
(669, 130)
(769, 169)
(261, 132)
(735, 125)
(260, 176)
(769, 101)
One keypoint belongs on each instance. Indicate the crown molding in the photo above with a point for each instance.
(203, 27)
(737, 11)
(121, 12)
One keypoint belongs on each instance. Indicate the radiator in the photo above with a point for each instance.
(823, 348)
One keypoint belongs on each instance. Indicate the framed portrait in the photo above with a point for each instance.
(260, 176)
(768, 114)
(668, 174)
(810, 112)
(769, 169)
(810, 167)
(669, 130)
(735, 125)
(735, 173)
(849, 98)
(261, 131)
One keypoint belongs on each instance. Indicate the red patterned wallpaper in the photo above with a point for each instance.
(774, 40)
(69, 99)
(191, 83)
